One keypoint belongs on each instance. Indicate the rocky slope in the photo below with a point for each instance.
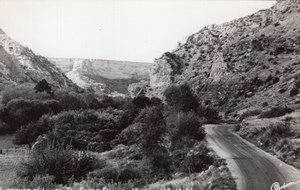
(103, 76)
(240, 64)
(19, 65)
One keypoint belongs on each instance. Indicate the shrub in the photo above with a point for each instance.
(141, 102)
(156, 101)
(85, 129)
(181, 98)
(249, 113)
(131, 134)
(58, 162)
(294, 92)
(120, 175)
(4, 128)
(22, 92)
(265, 104)
(237, 127)
(211, 115)
(152, 139)
(276, 80)
(70, 100)
(188, 124)
(44, 86)
(20, 112)
(198, 159)
(29, 133)
(275, 112)
(281, 129)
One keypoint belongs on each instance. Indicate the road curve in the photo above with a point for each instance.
(252, 168)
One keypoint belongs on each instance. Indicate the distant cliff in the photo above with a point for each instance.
(241, 63)
(103, 76)
(19, 65)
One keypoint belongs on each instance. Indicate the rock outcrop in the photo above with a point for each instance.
(19, 65)
(248, 58)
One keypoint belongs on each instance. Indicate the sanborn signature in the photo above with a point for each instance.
(276, 185)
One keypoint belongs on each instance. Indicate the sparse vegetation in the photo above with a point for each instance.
(249, 113)
(275, 112)
(275, 138)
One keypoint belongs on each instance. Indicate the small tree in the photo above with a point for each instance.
(181, 98)
(141, 102)
(44, 86)
(152, 138)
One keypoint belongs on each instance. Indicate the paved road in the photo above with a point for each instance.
(252, 168)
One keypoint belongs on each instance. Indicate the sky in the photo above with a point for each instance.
(127, 30)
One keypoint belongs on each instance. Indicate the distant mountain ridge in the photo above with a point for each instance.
(19, 65)
(103, 76)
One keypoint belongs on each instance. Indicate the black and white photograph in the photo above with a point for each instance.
(149, 95)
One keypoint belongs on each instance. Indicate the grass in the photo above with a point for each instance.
(8, 167)
(213, 178)
(8, 163)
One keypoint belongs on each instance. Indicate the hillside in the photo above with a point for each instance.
(104, 76)
(240, 64)
(19, 65)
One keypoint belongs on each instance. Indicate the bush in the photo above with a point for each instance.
(62, 164)
(237, 127)
(294, 92)
(265, 104)
(82, 130)
(211, 115)
(181, 98)
(141, 102)
(29, 133)
(198, 159)
(249, 113)
(20, 112)
(281, 129)
(131, 134)
(188, 124)
(4, 128)
(44, 86)
(275, 112)
(22, 92)
(152, 140)
(112, 174)
(70, 100)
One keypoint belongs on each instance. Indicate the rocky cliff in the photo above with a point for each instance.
(103, 76)
(19, 65)
(256, 58)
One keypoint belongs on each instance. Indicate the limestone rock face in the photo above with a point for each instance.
(245, 58)
(19, 65)
(164, 69)
(107, 77)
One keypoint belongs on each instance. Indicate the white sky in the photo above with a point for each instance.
(132, 30)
